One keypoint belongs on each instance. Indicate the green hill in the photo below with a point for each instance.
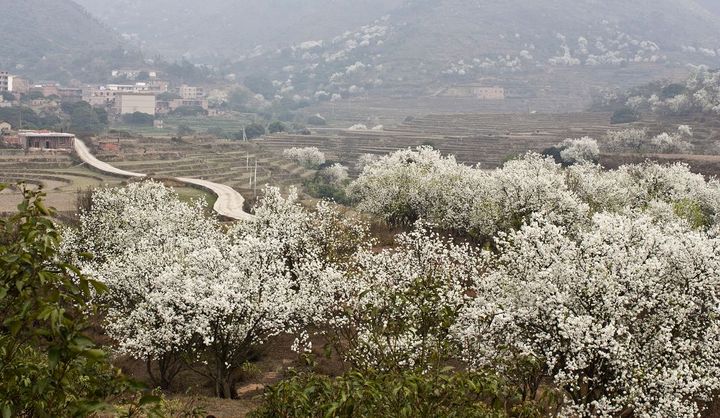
(58, 40)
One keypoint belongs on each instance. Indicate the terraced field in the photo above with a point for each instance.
(229, 124)
(230, 163)
(60, 176)
(484, 139)
(224, 162)
(472, 138)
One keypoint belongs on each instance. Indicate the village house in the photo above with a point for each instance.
(191, 92)
(46, 140)
(105, 95)
(18, 85)
(128, 103)
(70, 95)
(4, 81)
(46, 89)
(168, 106)
(476, 91)
(98, 96)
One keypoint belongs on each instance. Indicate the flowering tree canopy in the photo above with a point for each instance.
(623, 315)
(408, 185)
(335, 174)
(580, 150)
(309, 157)
(179, 284)
(395, 307)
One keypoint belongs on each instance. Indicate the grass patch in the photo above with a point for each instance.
(189, 194)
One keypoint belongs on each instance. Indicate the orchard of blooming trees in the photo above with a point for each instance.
(700, 92)
(598, 286)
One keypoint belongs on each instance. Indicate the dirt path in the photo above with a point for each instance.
(229, 202)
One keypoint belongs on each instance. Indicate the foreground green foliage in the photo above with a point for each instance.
(48, 367)
(406, 394)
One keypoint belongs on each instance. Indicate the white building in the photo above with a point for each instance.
(127, 103)
(191, 92)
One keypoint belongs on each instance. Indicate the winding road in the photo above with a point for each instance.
(229, 202)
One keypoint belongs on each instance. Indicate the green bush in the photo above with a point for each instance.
(189, 111)
(672, 90)
(276, 127)
(138, 118)
(184, 130)
(319, 188)
(255, 130)
(447, 395)
(48, 367)
(624, 115)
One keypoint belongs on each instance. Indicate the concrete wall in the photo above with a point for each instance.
(131, 103)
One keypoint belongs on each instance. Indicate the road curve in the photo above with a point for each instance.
(229, 202)
(84, 153)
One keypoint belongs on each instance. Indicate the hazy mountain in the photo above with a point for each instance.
(228, 28)
(56, 39)
(711, 5)
(547, 48)
(593, 32)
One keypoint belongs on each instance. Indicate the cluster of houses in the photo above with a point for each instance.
(147, 96)
(128, 95)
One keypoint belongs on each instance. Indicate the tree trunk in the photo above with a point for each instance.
(223, 383)
(168, 367)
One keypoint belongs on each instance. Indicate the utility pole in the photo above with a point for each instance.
(255, 190)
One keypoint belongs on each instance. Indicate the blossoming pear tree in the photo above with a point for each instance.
(623, 316)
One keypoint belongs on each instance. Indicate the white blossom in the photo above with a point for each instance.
(309, 157)
(335, 174)
(580, 150)
(622, 315)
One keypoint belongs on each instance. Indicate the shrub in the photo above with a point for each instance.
(402, 395)
(276, 127)
(48, 367)
(624, 115)
(627, 138)
(254, 130)
(319, 188)
(336, 174)
(184, 130)
(190, 111)
(138, 118)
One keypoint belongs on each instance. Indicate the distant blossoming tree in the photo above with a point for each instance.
(581, 150)
(309, 157)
